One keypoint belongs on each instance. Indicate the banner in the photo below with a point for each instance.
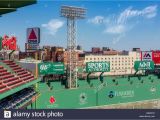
(143, 65)
(9, 43)
(50, 68)
(97, 67)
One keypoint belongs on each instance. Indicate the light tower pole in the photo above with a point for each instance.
(72, 14)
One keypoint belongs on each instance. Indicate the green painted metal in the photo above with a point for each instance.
(97, 67)
(144, 65)
(7, 6)
(14, 90)
(50, 68)
(113, 90)
(1, 43)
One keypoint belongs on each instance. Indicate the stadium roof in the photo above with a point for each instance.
(7, 6)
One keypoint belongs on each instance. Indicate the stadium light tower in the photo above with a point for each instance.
(72, 14)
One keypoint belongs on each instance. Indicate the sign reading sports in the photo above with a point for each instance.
(144, 65)
(97, 67)
(50, 68)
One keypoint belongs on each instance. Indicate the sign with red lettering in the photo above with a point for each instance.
(9, 43)
(33, 35)
(29, 46)
(156, 57)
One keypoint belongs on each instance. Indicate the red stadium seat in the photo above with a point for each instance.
(5, 73)
(13, 82)
(2, 70)
(27, 78)
(21, 73)
(1, 67)
(16, 68)
(19, 70)
(3, 90)
(12, 66)
(6, 76)
(10, 79)
(2, 86)
(16, 84)
(24, 75)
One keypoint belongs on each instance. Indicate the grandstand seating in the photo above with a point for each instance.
(17, 99)
(9, 80)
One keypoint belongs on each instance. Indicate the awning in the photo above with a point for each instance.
(7, 6)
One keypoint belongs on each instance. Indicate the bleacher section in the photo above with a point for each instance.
(9, 80)
(18, 99)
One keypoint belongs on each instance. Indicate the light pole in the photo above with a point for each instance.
(72, 14)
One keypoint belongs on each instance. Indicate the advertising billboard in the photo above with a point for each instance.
(31, 46)
(146, 56)
(50, 68)
(97, 67)
(156, 57)
(9, 43)
(143, 65)
(33, 35)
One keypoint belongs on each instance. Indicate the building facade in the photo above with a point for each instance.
(120, 64)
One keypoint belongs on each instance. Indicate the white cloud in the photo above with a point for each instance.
(96, 20)
(53, 26)
(118, 38)
(117, 29)
(148, 12)
(118, 25)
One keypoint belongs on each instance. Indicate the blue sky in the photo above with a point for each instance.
(119, 25)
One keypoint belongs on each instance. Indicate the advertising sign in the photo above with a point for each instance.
(31, 46)
(97, 67)
(156, 57)
(33, 35)
(144, 65)
(9, 43)
(146, 55)
(50, 68)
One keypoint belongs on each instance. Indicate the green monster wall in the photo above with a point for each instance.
(113, 90)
